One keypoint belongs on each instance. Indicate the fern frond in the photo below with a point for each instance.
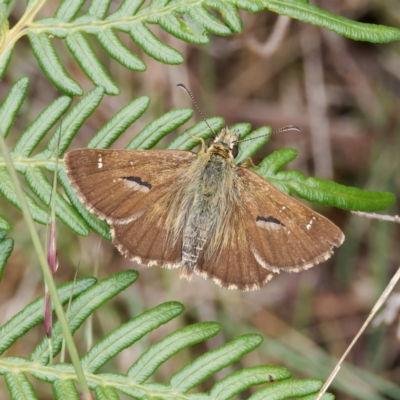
(88, 296)
(190, 21)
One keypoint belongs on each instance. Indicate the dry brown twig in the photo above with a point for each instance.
(278, 33)
(380, 217)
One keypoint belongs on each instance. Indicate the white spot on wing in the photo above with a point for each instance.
(137, 187)
(270, 226)
(309, 225)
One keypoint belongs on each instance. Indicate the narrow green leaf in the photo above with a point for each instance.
(113, 46)
(344, 197)
(271, 165)
(243, 128)
(7, 190)
(250, 5)
(68, 9)
(5, 58)
(51, 65)
(229, 13)
(105, 393)
(325, 396)
(179, 28)
(204, 18)
(41, 186)
(200, 130)
(155, 5)
(245, 378)
(11, 105)
(159, 352)
(19, 386)
(99, 8)
(309, 13)
(3, 234)
(99, 226)
(159, 128)
(33, 314)
(129, 333)
(198, 396)
(6, 248)
(203, 367)
(112, 130)
(89, 62)
(248, 149)
(64, 389)
(38, 128)
(152, 46)
(81, 308)
(4, 12)
(4, 225)
(288, 389)
(71, 123)
(126, 9)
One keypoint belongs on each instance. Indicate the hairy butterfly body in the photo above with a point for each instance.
(200, 213)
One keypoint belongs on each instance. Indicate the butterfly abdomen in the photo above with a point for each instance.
(214, 184)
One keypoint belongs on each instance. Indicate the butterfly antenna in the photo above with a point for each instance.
(196, 105)
(284, 129)
(287, 128)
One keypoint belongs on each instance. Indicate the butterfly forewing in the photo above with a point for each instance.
(283, 233)
(117, 184)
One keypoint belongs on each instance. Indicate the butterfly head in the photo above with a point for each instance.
(225, 143)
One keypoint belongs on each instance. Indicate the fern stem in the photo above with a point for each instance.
(46, 271)
(20, 28)
(142, 17)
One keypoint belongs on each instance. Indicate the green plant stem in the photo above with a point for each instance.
(46, 272)
(19, 29)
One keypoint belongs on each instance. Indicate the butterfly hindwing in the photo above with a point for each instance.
(147, 239)
(233, 265)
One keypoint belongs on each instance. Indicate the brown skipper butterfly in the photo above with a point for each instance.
(201, 212)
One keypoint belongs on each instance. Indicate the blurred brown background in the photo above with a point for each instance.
(345, 96)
